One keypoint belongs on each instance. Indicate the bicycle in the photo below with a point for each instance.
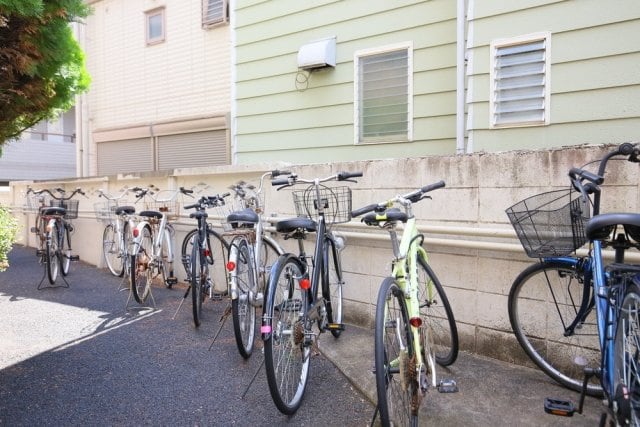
(152, 246)
(200, 255)
(53, 229)
(292, 304)
(117, 234)
(251, 255)
(574, 316)
(414, 325)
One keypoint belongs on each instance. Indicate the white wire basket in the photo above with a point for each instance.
(35, 201)
(105, 211)
(225, 210)
(165, 202)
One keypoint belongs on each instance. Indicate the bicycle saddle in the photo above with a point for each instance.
(151, 214)
(54, 210)
(292, 224)
(600, 226)
(390, 215)
(125, 210)
(245, 215)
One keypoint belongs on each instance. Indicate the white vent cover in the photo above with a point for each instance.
(317, 54)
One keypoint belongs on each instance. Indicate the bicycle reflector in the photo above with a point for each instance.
(305, 284)
(416, 322)
(136, 232)
(231, 266)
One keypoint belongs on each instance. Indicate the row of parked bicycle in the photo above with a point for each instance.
(576, 316)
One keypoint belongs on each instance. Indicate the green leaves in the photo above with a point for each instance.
(8, 230)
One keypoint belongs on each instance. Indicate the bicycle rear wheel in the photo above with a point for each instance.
(142, 271)
(437, 316)
(243, 308)
(545, 299)
(199, 277)
(332, 285)
(111, 251)
(52, 263)
(395, 362)
(65, 250)
(286, 351)
(627, 359)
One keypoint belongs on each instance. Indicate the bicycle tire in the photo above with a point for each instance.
(332, 285)
(437, 315)
(166, 254)
(396, 374)
(51, 262)
(124, 250)
(142, 272)
(199, 275)
(65, 250)
(544, 299)
(286, 352)
(111, 251)
(243, 308)
(217, 247)
(268, 255)
(626, 363)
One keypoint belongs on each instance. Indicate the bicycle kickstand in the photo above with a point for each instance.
(184, 297)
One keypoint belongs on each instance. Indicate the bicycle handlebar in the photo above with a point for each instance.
(208, 201)
(412, 197)
(293, 179)
(59, 190)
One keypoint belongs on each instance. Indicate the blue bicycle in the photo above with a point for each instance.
(577, 317)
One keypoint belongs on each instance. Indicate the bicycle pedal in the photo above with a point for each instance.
(562, 408)
(334, 327)
(34, 230)
(447, 386)
(39, 252)
(171, 281)
(74, 258)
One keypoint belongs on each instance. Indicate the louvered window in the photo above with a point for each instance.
(383, 95)
(520, 82)
(214, 12)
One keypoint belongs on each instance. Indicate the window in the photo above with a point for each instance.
(214, 12)
(155, 26)
(383, 100)
(520, 81)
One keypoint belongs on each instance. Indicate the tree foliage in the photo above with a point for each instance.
(8, 230)
(41, 64)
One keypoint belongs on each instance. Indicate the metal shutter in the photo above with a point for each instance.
(129, 155)
(194, 149)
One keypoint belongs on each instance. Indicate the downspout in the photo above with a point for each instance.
(470, 64)
(232, 121)
(460, 76)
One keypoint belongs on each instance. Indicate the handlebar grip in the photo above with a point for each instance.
(191, 206)
(185, 190)
(277, 172)
(434, 186)
(225, 195)
(626, 148)
(589, 176)
(346, 175)
(363, 210)
(281, 181)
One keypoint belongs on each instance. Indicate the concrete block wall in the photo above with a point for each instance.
(471, 245)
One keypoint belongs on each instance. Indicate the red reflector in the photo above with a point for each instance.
(231, 266)
(136, 232)
(305, 284)
(416, 322)
(207, 252)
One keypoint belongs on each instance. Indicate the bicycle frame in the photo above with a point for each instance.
(161, 230)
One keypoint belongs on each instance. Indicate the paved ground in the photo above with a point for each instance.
(75, 356)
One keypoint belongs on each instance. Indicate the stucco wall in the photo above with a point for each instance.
(472, 247)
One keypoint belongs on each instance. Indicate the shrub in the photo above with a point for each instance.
(8, 230)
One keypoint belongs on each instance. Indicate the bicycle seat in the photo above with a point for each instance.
(600, 226)
(125, 210)
(199, 214)
(245, 215)
(292, 224)
(151, 214)
(54, 210)
(390, 215)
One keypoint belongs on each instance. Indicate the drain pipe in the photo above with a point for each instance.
(460, 73)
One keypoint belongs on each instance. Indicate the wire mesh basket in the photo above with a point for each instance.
(165, 202)
(335, 202)
(71, 207)
(223, 211)
(105, 211)
(552, 223)
(36, 201)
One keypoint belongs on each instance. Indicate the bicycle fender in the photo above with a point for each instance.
(137, 239)
(267, 327)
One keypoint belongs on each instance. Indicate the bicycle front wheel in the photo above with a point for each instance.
(395, 361)
(199, 277)
(111, 251)
(286, 350)
(243, 307)
(626, 359)
(51, 254)
(438, 323)
(332, 286)
(142, 270)
(544, 301)
(216, 247)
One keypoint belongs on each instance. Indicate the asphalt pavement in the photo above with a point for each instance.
(77, 356)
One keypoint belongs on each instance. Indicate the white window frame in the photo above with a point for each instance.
(495, 46)
(159, 11)
(408, 46)
(216, 20)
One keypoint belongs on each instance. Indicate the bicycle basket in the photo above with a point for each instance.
(336, 202)
(165, 202)
(223, 211)
(71, 207)
(36, 201)
(105, 211)
(551, 223)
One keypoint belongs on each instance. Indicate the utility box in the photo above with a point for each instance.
(317, 54)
